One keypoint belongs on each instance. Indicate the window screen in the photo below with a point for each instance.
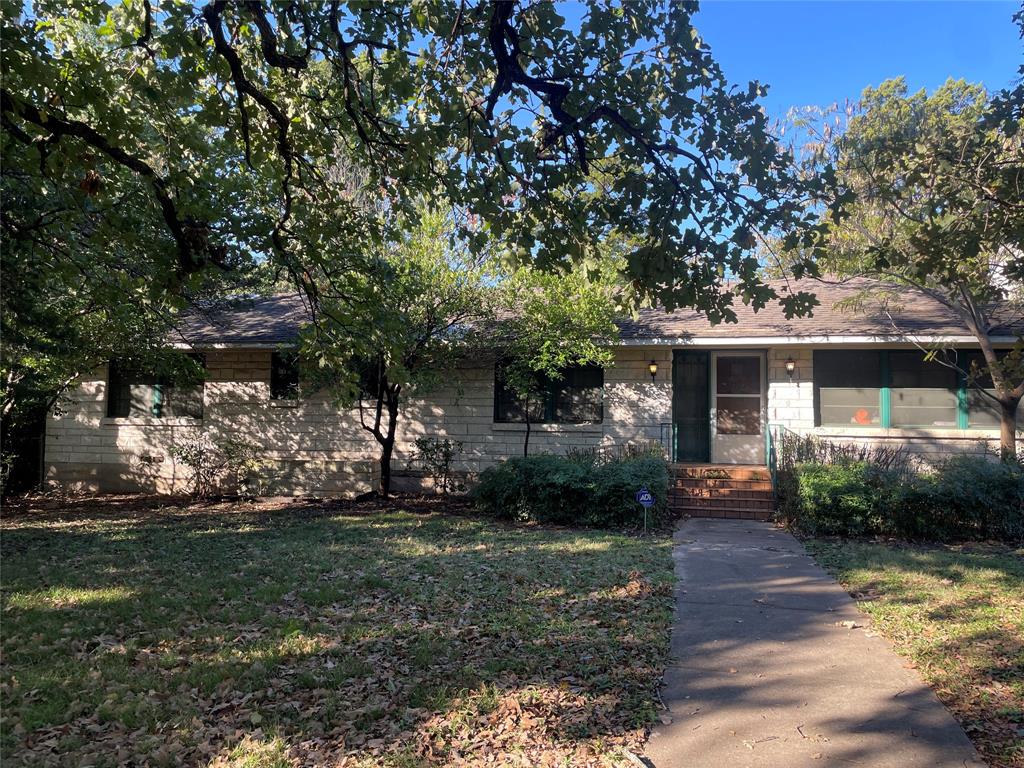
(738, 395)
(924, 392)
(133, 393)
(579, 396)
(982, 412)
(284, 375)
(738, 415)
(847, 388)
(576, 398)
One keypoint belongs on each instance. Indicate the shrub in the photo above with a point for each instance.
(793, 449)
(616, 484)
(436, 457)
(839, 498)
(219, 464)
(964, 497)
(555, 489)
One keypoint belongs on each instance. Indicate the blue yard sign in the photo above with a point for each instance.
(646, 500)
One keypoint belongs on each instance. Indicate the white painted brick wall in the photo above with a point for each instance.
(320, 448)
(791, 404)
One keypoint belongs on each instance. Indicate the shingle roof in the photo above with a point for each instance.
(916, 314)
(277, 319)
(255, 321)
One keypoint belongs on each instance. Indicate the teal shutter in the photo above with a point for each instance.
(158, 399)
(885, 395)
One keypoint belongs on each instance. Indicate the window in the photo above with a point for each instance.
(899, 388)
(284, 375)
(576, 398)
(847, 388)
(738, 395)
(923, 392)
(132, 393)
(982, 412)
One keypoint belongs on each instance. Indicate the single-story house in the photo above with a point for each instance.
(707, 393)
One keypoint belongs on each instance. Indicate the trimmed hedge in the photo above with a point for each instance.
(554, 489)
(965, 497)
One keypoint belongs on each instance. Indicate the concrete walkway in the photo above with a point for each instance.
(767, 671)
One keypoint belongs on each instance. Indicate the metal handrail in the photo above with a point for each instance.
(771, 449)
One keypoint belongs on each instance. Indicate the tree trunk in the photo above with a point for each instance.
(526, 438)
(387, 439)
(1008, 428)
(1007, 395)
(387, 448)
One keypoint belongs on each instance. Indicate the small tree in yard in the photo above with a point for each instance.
(213, 462)
(422, 298)
(553, 322)
(936, 184)
(436, 455)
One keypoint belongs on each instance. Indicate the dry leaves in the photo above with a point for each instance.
(282, 636)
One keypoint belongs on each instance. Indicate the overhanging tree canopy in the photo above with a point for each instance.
(210, 132)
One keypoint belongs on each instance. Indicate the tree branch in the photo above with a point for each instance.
(194, 250)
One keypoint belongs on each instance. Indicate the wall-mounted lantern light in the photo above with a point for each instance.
(790, 367)
(653, 368)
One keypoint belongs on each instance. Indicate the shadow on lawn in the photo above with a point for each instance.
(336, 627)
(772, 665)
(957, 610)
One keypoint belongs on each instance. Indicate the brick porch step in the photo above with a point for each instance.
(698, 492)
(729, 514)
(722, 490)
(723, 483)
(721, 472)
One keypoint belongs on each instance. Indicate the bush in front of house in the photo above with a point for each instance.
(846, 498)
(555, 489)
(964, 497)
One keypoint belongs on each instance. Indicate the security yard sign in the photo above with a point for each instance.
(646, 500)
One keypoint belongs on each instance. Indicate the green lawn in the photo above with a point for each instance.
(958, 614)
(223, 635)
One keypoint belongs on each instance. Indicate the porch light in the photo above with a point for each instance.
(790, 366)
(653, 368)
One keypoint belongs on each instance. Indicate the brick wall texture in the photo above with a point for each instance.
(316, 447)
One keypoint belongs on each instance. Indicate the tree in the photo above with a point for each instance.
(63, 317)
(206, 134)
(430, 298)
(553, 322)
(934, 188)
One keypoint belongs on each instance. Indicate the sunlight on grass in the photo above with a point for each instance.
(255, 753)
(69, 597)
(391, 638)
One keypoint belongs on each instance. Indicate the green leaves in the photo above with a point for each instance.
(553, 322)
(928, 198)
(549, 133)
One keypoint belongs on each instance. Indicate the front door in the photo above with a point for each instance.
(737, 407)
(690, 405)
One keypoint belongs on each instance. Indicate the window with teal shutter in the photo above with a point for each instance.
(135, 393)
(902, 389)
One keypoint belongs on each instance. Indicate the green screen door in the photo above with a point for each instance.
(690, 405)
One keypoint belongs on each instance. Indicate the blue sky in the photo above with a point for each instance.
(822, 52)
